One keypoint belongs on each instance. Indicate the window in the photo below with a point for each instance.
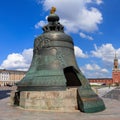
(4, 76)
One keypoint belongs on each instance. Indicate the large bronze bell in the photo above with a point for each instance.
(54, 67)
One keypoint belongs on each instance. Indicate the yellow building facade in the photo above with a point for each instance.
(10, 77)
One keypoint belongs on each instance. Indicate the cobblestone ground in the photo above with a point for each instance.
(8, 112)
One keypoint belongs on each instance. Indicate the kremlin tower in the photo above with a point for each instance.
(116, 71)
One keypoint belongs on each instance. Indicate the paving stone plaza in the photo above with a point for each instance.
(112, 112)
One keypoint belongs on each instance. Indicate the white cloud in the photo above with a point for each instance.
(94, 71)
(99, 2)
(106, 52)
(88, 67)
(92, 67)
(40, 24)
(104, 70)
(18, 61)
(82, 35)
(75, 15)
(79, 52)
(27, 54)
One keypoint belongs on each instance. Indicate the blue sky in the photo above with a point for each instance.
(94, 26)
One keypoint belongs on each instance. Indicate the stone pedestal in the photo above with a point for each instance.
(64, 101)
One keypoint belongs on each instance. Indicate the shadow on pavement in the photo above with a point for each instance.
(4, 94)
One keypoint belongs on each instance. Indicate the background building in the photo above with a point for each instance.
(100, 81)
(10, 77)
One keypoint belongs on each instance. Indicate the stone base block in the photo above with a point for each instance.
(64, 101)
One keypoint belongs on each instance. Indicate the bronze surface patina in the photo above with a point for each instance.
(54, 67)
